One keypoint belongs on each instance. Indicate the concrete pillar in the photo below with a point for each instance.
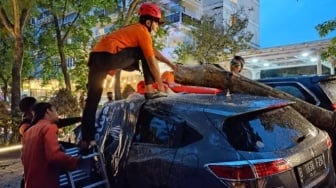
(319, 67)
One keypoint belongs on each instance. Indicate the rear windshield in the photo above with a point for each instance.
(265, 131)
(329, 87)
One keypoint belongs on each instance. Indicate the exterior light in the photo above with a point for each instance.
(305, 54)
(313, 59)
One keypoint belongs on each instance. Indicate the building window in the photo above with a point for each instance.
(69, 18)
(70, 62)
(107, 29)
(95, 32)
(233, 20)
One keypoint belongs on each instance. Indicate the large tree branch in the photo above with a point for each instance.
(211, 76)
(70, 26)
(5, 21)
(131, 10)
(16, 14)
(23, 17)
(25, 12)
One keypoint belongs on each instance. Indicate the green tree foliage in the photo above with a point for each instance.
(65, 103)
(324, 29)
(7, 51)
(65, 33)
(13, 17)
(5, 63)
(5, 121)
(127, 91)
(213, 41)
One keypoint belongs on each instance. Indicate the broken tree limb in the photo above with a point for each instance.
(209, 75)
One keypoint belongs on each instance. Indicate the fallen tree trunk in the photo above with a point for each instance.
(209, 75)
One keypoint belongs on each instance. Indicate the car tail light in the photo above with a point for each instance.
(334, 106)
(279, 105)
(248, 170)
(329, 142)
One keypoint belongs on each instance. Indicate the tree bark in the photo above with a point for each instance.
(117, 89)
(209, 75)
(16, 74)
(60, 47)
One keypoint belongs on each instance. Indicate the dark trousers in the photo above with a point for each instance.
(99, 65)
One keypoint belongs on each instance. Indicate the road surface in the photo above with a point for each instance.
(11, 169)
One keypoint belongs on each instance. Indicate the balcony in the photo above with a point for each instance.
(180, 17)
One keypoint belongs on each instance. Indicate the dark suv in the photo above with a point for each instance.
(199, 140)
(317, 90)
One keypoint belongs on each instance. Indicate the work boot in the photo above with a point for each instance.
(155, 95)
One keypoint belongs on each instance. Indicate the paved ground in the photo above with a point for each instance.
(10, 173)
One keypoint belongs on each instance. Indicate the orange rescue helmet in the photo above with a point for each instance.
(168, 76)
(150, 9)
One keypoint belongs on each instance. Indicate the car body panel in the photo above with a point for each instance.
(147, 157)
(317, 90)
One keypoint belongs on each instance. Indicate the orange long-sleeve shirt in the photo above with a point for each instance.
(23, 128)
(135, 35)
(42, 156)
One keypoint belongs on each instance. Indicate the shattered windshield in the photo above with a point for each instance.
(267, 131)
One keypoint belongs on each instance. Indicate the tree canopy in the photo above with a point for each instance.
(64, 31)
(213, 41)
(324, 29)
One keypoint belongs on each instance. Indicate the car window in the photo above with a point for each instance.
(292, 90)
(296, 90)
(267, 131)
(329, 87)
(164, 131)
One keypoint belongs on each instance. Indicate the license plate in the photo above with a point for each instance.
(307, 171)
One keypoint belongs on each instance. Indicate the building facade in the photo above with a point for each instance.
(297, 59)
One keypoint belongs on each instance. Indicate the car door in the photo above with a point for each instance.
(152, 153)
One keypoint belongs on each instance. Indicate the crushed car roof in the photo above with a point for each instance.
(223, 104)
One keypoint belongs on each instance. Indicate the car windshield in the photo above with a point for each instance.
(329, 87)
(266, 131)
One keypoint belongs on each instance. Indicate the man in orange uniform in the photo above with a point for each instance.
(122, 49)
(42, 157)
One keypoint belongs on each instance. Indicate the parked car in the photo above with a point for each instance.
(204, 140)
(317, 90)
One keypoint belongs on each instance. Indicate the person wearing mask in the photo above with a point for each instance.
(122, 49)
(42, 157)
(237, 64)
